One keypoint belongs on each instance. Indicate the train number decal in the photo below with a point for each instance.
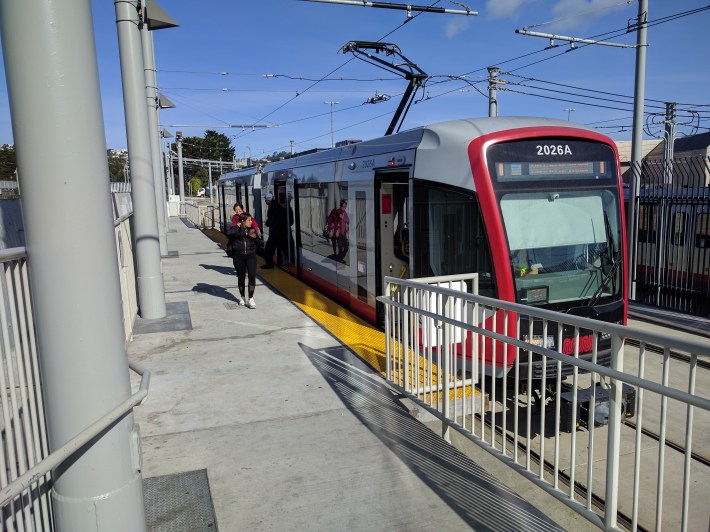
(553, 149)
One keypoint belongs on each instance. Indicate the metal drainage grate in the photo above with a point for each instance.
(231, 306)
(179, 502)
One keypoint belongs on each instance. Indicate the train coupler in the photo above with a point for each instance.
(598, 413)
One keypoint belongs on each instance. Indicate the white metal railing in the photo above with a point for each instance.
(643, 466)
(23, 438)
(25, 462)
(201, 216)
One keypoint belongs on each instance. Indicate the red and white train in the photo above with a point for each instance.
(533, 205)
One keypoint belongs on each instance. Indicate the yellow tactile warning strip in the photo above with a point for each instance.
(358, 335)
(363, 339)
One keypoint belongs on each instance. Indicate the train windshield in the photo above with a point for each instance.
(560, 212)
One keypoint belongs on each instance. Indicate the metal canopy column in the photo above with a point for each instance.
(53, 87)
(149, 275)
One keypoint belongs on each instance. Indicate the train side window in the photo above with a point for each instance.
(702, 231)
(680, 222)
(647, 223)
(323, 200)
(451, 237)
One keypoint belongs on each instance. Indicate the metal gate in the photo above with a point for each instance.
(673, 237)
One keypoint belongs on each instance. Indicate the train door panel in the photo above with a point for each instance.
(356, 274)
(291, 204)
(393, 230)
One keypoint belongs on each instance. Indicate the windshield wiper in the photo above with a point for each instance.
(608, 258)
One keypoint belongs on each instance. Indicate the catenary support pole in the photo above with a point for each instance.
(52, 78)
(636, 145)
(151, 91)
(149, 275)
(492, 91)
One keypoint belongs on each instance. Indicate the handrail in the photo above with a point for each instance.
(9, 254)
(703, 351)
(24, 481)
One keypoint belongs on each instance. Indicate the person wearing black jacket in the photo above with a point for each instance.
(278, 230)
(243, 241)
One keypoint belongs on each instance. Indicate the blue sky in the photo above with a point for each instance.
(297, 39)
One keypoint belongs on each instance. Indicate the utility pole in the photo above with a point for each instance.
(569, 112)
(332, 137)
(53, 87)
(636, 145)
(492, 92)
(209, 177)
(669, 139)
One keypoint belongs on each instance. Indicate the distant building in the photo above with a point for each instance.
(690, 170)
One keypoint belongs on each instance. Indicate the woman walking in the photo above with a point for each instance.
(243, 239)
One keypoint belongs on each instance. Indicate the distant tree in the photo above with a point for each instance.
(115, 166)
(8, 162)
(212, 146)
(196, 184)
(202, 176)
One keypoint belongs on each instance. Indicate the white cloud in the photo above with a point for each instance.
(456, 26)
(571, 14)
(504, 8)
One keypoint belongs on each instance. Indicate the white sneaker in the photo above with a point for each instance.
(241, 302)
(251, 303)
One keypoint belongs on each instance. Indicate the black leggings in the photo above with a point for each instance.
(243, 264)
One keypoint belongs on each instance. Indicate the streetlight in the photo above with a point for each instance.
(569, 111)
(332, 139)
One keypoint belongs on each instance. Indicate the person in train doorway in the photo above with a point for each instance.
(343, 224)
(238, 210)
(244, 240)
(278, 230)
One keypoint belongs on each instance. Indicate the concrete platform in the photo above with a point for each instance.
(291, 434)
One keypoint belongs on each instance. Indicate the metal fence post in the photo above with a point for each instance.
(446, 352)
(616, 417)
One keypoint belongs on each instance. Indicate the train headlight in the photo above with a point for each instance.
(537, 340)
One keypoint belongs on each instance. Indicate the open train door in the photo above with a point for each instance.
(393, 212)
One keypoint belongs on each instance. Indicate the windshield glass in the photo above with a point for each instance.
(564, 246)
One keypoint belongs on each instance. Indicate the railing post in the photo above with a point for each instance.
(405, 337)
(388, 331)
(616, 417)
(446, 353)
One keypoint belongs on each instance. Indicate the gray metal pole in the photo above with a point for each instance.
(181, 176)
(492, 92)
(636, 145)
(149, 275)
(209, 170)
(52, 78)
(151, 91)
(669, 139)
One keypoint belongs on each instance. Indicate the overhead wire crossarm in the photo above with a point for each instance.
(403, 7)
(571, 40)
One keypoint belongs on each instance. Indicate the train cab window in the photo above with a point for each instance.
(680, 222)
(450, 236)
(702, 231)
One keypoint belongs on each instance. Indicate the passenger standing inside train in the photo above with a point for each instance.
(243, 241)
(278, 229)
(342, 232)
(239, 209)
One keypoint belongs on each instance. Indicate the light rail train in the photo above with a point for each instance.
(533, 205)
